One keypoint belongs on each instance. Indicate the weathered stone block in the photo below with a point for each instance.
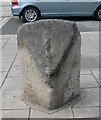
(50, 62)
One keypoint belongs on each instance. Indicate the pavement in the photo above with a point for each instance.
(86, 105)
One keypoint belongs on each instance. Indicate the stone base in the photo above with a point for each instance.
(45, 110)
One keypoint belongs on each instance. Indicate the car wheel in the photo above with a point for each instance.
(98, 14)
(30, 14)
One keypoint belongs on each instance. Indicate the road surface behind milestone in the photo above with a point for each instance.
(84, 25)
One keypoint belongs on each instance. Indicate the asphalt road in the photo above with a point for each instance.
(84, 25)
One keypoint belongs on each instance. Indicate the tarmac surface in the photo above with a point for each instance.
(85, 24)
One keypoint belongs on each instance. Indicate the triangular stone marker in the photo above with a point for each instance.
(50, 62)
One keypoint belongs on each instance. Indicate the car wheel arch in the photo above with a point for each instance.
(96, 10)
(28, 7)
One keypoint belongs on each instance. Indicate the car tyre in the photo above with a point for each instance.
(30, 14)
(98, 14)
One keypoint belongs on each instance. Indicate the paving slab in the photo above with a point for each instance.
(15, 72)
(16, 64)
(3, 75)
(90, 45)
(96, 73)
(89, 62)
(11, 44)
(0, 115)
(66, 113)
(1, 79)
(4, 41)
(15, 114)
(88, 98)
(6, 66)
(12, 84)
(1, 56)
(0, 45)
(88, 81)
(9, 52)
(99, 82)
(0, 100)
(90, 112)
(0, 66)
(85, 72)
(11, 100)
(14, 36)
(7, 59)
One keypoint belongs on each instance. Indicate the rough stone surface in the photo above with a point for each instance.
(50, 62)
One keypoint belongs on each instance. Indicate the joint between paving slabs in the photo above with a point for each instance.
(8, 71)
(29, 113)
(5, 44)
(96, 79)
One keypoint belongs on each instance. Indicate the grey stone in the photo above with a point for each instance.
(50, 62)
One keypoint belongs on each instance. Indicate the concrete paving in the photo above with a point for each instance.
(84, 106)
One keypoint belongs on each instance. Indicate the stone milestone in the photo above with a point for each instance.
(50, 62)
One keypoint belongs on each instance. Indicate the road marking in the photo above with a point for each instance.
(3, 21)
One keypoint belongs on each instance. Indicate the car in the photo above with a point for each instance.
(32, 10)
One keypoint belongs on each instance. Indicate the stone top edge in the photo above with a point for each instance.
(47, 20)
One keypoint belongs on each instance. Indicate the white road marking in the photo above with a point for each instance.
(4, 21)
